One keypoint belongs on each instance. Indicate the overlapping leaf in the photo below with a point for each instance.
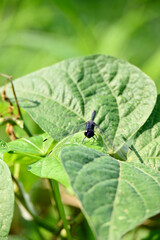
(115, 196)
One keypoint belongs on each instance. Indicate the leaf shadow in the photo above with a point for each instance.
(27, 103)
(132, 148)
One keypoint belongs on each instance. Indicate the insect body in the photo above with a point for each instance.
(89, 132)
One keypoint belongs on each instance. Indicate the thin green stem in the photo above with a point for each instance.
(16, 170)
(23, 200)
(57, 196)
(54, 196)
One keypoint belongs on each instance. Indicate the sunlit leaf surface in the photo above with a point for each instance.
(64, 95)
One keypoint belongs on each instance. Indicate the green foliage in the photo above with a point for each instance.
(115, 195)
(121, 94)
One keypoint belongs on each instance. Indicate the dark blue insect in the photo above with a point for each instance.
(89, 132)
(90, 125)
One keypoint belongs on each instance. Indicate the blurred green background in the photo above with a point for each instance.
(37, 33)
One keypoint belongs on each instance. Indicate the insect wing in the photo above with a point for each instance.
(78, 128)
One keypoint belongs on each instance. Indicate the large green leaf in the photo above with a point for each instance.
(6, 200)
(64, 95)
(146, 146)
(115, 196)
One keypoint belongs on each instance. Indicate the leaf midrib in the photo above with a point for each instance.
(114, 203)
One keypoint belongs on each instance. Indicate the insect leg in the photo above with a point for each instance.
(93, 139)
(83, 140)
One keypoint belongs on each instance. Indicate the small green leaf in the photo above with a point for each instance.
(51, 166)
(62, 96)
(6, 200)
(34, 145)
(146, 146)
(28, 150)
(115, 196)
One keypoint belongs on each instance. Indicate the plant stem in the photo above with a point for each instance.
(19, 115)
(14, 93)
(18, 109)
(57, 196)
(16, 170)
(54, 196)
(23, 200)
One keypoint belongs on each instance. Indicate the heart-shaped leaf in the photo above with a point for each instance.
(146, 146)
(6, 200)
(64, 95)
(115, 196)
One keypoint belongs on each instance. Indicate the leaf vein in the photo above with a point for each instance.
(44, 96)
